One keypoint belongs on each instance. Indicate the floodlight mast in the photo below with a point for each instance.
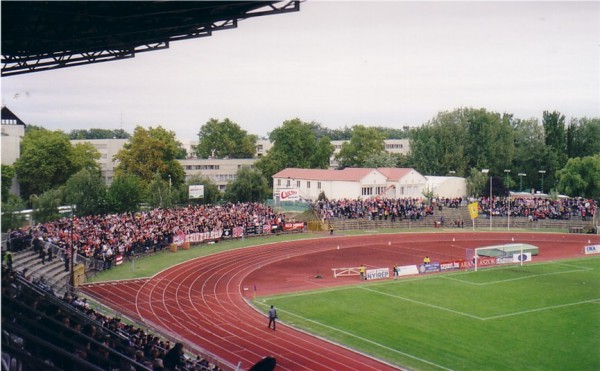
(486, 171)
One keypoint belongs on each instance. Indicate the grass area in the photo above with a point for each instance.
(542, 316)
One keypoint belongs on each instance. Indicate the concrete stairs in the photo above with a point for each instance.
(52, 273)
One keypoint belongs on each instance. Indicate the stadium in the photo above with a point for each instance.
(208, 300)
(352, 293)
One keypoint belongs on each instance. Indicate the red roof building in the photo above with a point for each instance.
(351, 183)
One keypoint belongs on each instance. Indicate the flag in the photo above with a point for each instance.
(474, 210)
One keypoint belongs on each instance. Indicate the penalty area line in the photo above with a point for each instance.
(544, 308)
(367, 341)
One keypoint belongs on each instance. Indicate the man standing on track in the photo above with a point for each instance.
(362, 272)
(272, 316)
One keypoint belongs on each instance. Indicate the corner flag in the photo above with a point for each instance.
(473, 209)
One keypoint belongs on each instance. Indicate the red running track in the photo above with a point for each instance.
(205, 301)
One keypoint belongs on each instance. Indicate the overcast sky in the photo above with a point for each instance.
(338, 63)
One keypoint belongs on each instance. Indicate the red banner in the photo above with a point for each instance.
(293, 226)
(481, 262)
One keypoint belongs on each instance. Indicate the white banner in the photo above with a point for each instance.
(378, 273)
(406, 270)
(289, 195)
(592, 249)
(524, 257)
(196, 191)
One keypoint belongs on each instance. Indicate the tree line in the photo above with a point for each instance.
(519, 154)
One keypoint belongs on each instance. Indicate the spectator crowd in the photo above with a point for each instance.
(533, 208)
(103, 237)
(83, 332)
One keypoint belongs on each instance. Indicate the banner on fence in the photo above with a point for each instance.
(179, 238)
(429, 268)
(378, 273)
(481, 262)
(297, 226)
(406, 270)
(454, 264)
(204, 236)
(592, 249)
(521, 258)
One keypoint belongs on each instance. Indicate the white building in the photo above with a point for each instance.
(13, 131)
(394, 146)
(108, 148)
(353, 183)
(220, 171)
(447, 186)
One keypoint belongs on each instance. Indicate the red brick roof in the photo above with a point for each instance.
(347, 174)
(394, 173)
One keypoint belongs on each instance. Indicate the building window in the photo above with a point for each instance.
(279, 182)
(318, 185)
(308, 184)
(401, 190)
(379, 190)
(287, 184)
(367, 191)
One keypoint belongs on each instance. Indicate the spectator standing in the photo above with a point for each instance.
(8, 260)
(173, 358)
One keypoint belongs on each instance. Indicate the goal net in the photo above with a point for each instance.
(514, 253)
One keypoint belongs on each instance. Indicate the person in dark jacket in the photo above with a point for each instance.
(174, 357)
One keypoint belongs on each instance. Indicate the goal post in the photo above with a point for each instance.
(504, 254)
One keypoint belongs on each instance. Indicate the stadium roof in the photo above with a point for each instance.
(42, 35)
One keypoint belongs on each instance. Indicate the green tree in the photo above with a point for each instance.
(529, 150)
(85, 157)
(149, 152)
(383, 159)
(364, 142)
(295, 145)
(438, 147)
(159, 193)
(87, 191)
(11, 218)
(248, 186)
(490, 141)
(225, 139)
(125, 194)
(580, 177)
(463, 139)
(555, 138)
(99, 134)
(45, 206)
(8, 173)
(45, 162)
(583, 137)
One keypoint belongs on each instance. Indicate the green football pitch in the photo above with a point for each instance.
(540, 316)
